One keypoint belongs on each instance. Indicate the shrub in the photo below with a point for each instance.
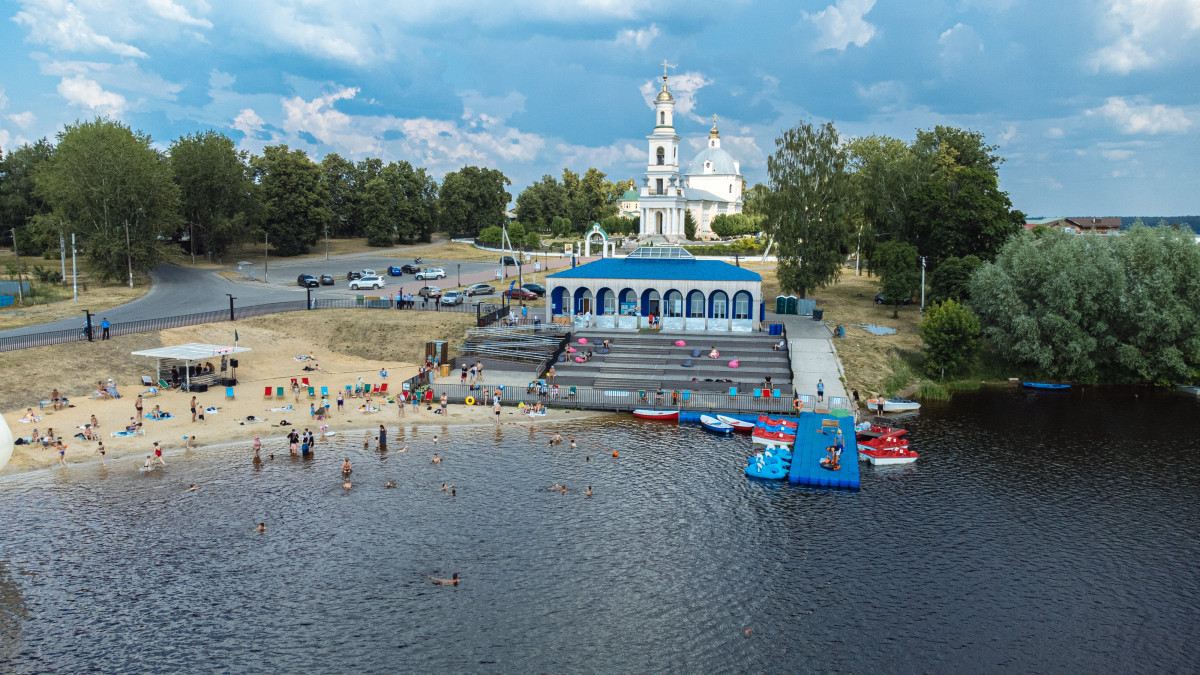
(951, 335)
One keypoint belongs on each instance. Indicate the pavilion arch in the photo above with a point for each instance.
(718, 305)
(628, 296)
(557, 296)
(651, 302)
(743, 305)
(606, 301)
(694, 306)
(673, 304)
(583, 300)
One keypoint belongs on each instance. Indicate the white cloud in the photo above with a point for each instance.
(1007, 134)
(1142, 117)
(1140, 34)
(1117, 155)
(81, 91)
(174, 12)
(960, 43)
(1055, 132)
(640, 38)
(62, 26)
(1051, 183)
(842, 24)
(23, 120)
(684, 88)
(248, 122)
(490, 111)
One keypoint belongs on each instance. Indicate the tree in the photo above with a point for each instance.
(215, 191)
(807, 208)
(755, 200)
(726, 225)
(542, 202)
(951, 279)
(19, 201)
(399, 205)
(294, 198)
(887, 175)
(898, 266)
(344, 195)
(560, 227)
(591, 200)
(472, 199)
(107, 183)
(492, 234)
(950, 332)
(689, 225)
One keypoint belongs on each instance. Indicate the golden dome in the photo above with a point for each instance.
(664, 95)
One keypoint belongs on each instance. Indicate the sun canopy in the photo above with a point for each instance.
(189, 353)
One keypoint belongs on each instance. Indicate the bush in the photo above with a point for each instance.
(744, 247)
(950, 332)
(491, 235)
(734, 225)
(50, 276)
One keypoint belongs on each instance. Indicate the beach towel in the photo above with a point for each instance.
(123, 434)
(35, 418)
(211, 410)
(368, 409)
(165, 416)
(284, 408)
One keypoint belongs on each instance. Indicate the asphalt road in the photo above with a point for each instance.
(179, 290)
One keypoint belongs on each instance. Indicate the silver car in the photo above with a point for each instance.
(481, 289)
(453, 298)
(372, 283)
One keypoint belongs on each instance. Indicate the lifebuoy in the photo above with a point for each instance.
(796, 405)
(470, 400)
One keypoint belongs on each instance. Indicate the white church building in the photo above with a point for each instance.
(711, 186)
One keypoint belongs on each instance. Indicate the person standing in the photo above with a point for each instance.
(382, 437)
(158, 454)
(104, 326)
(550, 375)
(463, 378)
(820, 391)
(193, 409)
(340, 401)
(100, 450)
(496, 409)
(854, 395)
(257, 445)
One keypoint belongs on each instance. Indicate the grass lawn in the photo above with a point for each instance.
(52, 302)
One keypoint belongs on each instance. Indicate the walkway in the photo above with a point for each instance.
(813, 355)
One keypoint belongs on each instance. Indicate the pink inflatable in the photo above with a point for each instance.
(733, 363)
(578, 359)
(571, 350)
(680, 343)
(583, 341)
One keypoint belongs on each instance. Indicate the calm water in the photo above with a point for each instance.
(1043, 532)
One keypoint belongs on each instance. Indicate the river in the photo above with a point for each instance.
(1039, 531)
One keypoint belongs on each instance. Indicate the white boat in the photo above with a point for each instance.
(885, 457)
(892, 405)
(715, 425)
(738, 425)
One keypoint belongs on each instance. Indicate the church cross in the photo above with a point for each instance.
(666, 65)
(714, 120)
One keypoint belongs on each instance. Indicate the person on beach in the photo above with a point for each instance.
(100, 450)
(62, 453)
(138, 404)
(187, 442)
(496, 409)
(293, 442)
(452, 581)
(158, 454)
(346, 468)
(148, 465)
(193, 409)
(820, 391)
(340, 402)
(257, 446)
(462, 379)
(443, 404)
(95, 423)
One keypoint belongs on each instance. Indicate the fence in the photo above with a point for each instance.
(486, 314)
(623, 400)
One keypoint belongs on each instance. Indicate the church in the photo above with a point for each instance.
(711, 186)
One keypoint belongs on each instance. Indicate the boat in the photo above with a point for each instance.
(885, 456)
(766, 420)
(1045, 385)
(883, 443)
(765, 469)
(739, 426)
(661, 415)
(892, 405)
(876, 431)
(715, 425)
(763, 437)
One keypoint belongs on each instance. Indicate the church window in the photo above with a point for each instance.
(662, 118)
(660, 186)
(731, 188)
(661, 156)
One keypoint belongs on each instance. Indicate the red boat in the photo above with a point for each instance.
(883, 443)
(738, 425)
(769, 437)
(888, 455)
(764, 419)
(661, 415)
(876, 431)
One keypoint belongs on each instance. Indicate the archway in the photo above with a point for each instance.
(718, 305)
(651, 303)
(606, 301)
(673, 307)
(628, 302)
(741, 305)
(583, 300)
(658, 222)
(695, 305)
(556, 299)
(599, 233)
(661, 155)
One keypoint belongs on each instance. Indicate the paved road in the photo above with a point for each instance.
(179, 290)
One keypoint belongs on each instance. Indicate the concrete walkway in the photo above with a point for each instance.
(813, 355)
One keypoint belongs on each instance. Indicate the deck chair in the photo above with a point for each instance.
(294, 382)
(312, 392)
(368, 388)
(758, 393)
(777, 394)
(687, 395)
(266, 392)
(163, 383)
(304, 381)
(641, 394)
(571, 392)
(733, 391)
(349, 389)
(324, 392)
(766, 393)
(383, 388)
(229, 392)
(146, 381)
(428, 396)
(278, 392)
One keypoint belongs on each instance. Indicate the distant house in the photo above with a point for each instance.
(1087, 225)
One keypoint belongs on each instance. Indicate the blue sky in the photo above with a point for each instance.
(1093, 103)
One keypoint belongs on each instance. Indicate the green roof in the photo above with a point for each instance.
(630, 195)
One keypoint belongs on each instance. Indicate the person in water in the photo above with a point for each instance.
(346, 469)
(452, 581)
(436, 459)
(347, 485)
(390, 484)
(262, 527)
(589, 491)
(193, 488)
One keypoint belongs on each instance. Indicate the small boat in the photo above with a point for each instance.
(1045, 385)
(739, 426)
(767, 437)
(765, 469)
(885, 456)
(715, 425)
(661, 415)
(875, 431)
(765, 419)
(883, 443)
(892, 405)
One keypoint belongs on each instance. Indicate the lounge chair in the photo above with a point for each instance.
(164, 384)
(278, 392)
(777, 393)
(428, 396)
(571, 392)
(733, 391)
(266, 392)
(311, 392)
(383, 388)
(229, 392)
(146, 381)
(304, 381)
(758, 393)
(324, 392)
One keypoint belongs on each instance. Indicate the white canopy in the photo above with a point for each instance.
(193, 351)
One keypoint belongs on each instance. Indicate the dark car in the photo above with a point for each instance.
(508, 260)
(326, 279)
(351, 276)
(907, 301)
(410, 268)
(520, 294)
(307, 281)
(536, 288)
(394, 271)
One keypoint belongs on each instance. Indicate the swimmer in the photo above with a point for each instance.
(435, 439)
(366, 440)
(587, 459)
(347, 485)
(193, 488)
(346, 467)
(271, 457)
(557, 486)
(262, 527)
(573, 446)
(390, 484)
(453, 493)
(436, 459)
(404, 449)
(563, 490)
(589, 491)
(453, 581)
(557, 439)
(443, 487)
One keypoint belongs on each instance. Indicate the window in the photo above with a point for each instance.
(652, 303)
(662, 118)
(658, 183)
(661, 154)
(696, 304)
(608, 303)
(731, 188)
(741, 306)
(720, 305)
(674, 304)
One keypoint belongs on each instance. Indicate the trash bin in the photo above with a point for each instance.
(445, 370)
(818, 314)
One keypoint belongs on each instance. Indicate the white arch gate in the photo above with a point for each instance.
(605, 244)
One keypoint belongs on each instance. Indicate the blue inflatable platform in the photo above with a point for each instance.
(809, 450)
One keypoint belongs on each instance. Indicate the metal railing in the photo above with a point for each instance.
(486, 313)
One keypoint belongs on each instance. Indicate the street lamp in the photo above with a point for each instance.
(87, 324)
(460, 274)
(922, 285)
(128, 253)
(231, 299)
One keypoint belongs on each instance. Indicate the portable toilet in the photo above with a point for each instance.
(780, 304)
(791, 305)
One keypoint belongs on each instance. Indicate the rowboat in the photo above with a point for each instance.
(1045, 385)
(885, 456)
(894, 405)
(739, 426)
(883, 443)
(661, 415)
(715, 425)
(766, 419)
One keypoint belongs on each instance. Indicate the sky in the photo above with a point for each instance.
(1093, 103)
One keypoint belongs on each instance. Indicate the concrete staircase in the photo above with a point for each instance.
(643, 361)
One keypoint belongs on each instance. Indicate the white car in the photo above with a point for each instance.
(431, 273)
(453, 298)
(367, 282)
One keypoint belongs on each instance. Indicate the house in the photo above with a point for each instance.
(1087, 225)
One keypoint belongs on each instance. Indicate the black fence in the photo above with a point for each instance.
(486, 314)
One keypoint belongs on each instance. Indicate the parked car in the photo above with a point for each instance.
(351, 276)
(508, 260)
(394, 271)
(367, 282)
(481, 289)
(326, 279)
(520, 294)
(453, 298)
(409, 268)
(431, 273)
(907, 301)
(430, 292)
(307, 281)
(536, 288)
(368, 273)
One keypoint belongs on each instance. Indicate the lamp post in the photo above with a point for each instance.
(128, 253)
(231, 299)
(266, 262)
(460, 274)
(922, 285)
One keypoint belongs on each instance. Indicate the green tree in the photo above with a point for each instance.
(951, 334)
(755, 200)
(215, 191)
(899, 268)
(19, 201)
(887, 175)
(399, 205)
(543, 201)
(726, 225)
(560, 227)
(807, 209)
(492, 234)
(472, 199)
(689, 225)
(108, 184)
(951, 279)
(344, 194)
(294, 198)
(590, 198)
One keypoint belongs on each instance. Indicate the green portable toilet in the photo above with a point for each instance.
(791, 305)
(780, 304)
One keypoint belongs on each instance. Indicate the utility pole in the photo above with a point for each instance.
(192, 240)
(62, 251)
(87, 324)
(266, 263)
(231, 299)
(20, 289)
(74, 270)
(460, 274)
(922, 285)
(128, 253)
(327, 240)
(858, 253)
